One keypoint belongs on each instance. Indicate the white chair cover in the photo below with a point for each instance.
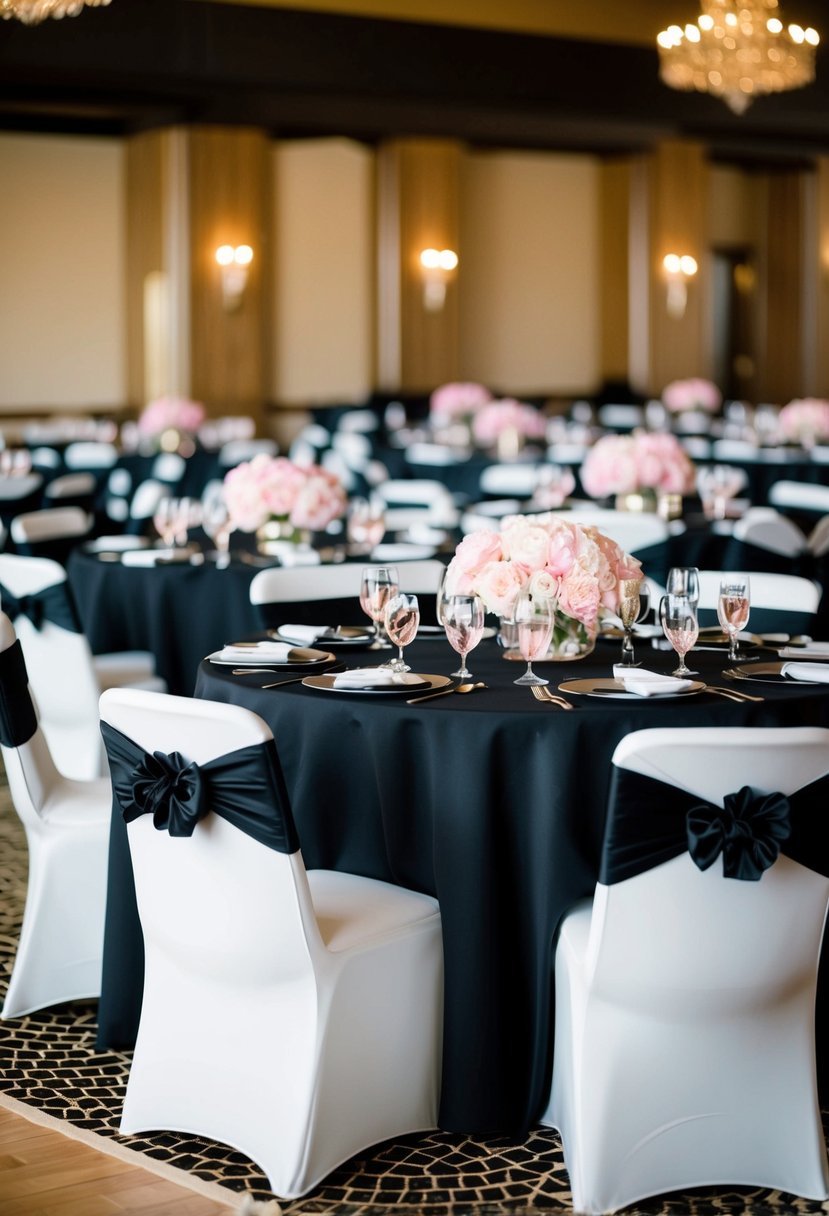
(293, 1014)
(684, 1039)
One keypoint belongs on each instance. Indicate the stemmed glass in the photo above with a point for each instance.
(534, 620)
(733, 607)
(634, 598)
(463, 620)
(165, 520)
(218, 526)
(684, 580)
(365, 525)
(402, 618)
(678, 617)
(377, 585)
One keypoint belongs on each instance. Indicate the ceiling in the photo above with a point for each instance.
(532, 73)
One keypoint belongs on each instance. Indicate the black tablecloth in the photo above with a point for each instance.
(493, 802)
(179, 612)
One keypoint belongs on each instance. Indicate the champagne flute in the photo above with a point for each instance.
(630, 609)
(733, 607)
(377, 585)
(534, 619)
(165, 520)
(218, 526)
(365, 525)
(402, 618)
(463, 620)
(678, 617)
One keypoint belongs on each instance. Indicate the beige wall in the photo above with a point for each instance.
(732, 207)
(62, 284)
(529, 275)
(324, 272)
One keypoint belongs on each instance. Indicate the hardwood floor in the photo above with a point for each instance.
(44, 1173)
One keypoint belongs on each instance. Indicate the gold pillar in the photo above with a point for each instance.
(188, 192)
(417, 208)
(614, 257)
(669, 206)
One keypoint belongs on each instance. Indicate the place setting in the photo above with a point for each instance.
(267, 655)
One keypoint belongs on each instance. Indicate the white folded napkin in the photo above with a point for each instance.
(818, 672)
(375, 677)
(814, 650)
(648, 683)
(306, 635)
(258, 652)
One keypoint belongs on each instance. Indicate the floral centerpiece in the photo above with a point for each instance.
(648, 461)
(574, 565)
(168, 421)
(804, 420)
(507, 419)
(457, 402)
(693, 394)
(272, 490)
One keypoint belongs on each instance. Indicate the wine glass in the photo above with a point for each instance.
(377, 585)
(189, 516)
(402, 618)
(534, 619)
(630, 611)
(678, 617)
(463, 620)
(733, 607)
(684, 580)
(365, 525)
(218, 526)
(165, 520)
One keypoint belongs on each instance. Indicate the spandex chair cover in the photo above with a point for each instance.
(293, 1014)
(685, 989)
(67, 832)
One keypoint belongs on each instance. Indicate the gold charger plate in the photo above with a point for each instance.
(299, 658)
(768, 673)
(712, 635)
(429, 683)
(608, 687)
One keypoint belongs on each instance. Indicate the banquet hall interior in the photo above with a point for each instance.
(455, 260)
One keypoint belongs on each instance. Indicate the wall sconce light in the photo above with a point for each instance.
(233, 264)
(679, 268)
(436, 269)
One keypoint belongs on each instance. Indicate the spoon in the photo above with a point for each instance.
(444, 692)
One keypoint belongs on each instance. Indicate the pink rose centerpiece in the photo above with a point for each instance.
(271, 489)
(507, 418)
(574, 565)
(805, 421)
(457, 402)
(644, 461)
(171, 423)
(694, 394)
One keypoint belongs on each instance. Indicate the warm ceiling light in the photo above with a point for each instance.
(31, 12)
(738, 50)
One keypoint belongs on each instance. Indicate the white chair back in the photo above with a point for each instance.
(70, 485)
(785, 592)
(800, 496)
(631, 529)
(235, 451)
(621, 417)
(30, 770)
(90, 454)
(510, 480)
(418, 500)
(61, 671)
(819, 537)
(684, 1044)
(768, 529)
(50, 523)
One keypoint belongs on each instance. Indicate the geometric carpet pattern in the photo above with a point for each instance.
(48, 1060)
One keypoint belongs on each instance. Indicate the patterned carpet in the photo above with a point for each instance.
(48, 1060)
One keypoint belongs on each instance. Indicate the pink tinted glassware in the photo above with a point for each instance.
(463, 621)
(402, 619)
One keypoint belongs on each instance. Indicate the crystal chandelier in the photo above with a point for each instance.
(737, 50)
(30, 12)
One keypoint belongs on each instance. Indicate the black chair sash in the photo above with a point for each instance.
(53, 603)
(245, 787)
(18, 720)
(650, 822)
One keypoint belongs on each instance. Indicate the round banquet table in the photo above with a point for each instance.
(492, 802)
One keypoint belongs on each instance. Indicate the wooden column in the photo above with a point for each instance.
(818, 249)
(188, 192)
(614, 258)
(669, 204)
(417, 208)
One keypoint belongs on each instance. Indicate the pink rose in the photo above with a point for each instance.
(579, 596)
(499, 585)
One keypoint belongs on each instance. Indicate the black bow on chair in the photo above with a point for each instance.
(53, 604)
(748, 830)
(18, 720)
(650, 822)
(245, 787)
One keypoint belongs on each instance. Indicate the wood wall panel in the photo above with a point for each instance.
(614, 257)
(230, 203)
(145, 245)
(781, 352)
(418, 184)
(817, 256)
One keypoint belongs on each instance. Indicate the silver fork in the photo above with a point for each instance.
(542, 693)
